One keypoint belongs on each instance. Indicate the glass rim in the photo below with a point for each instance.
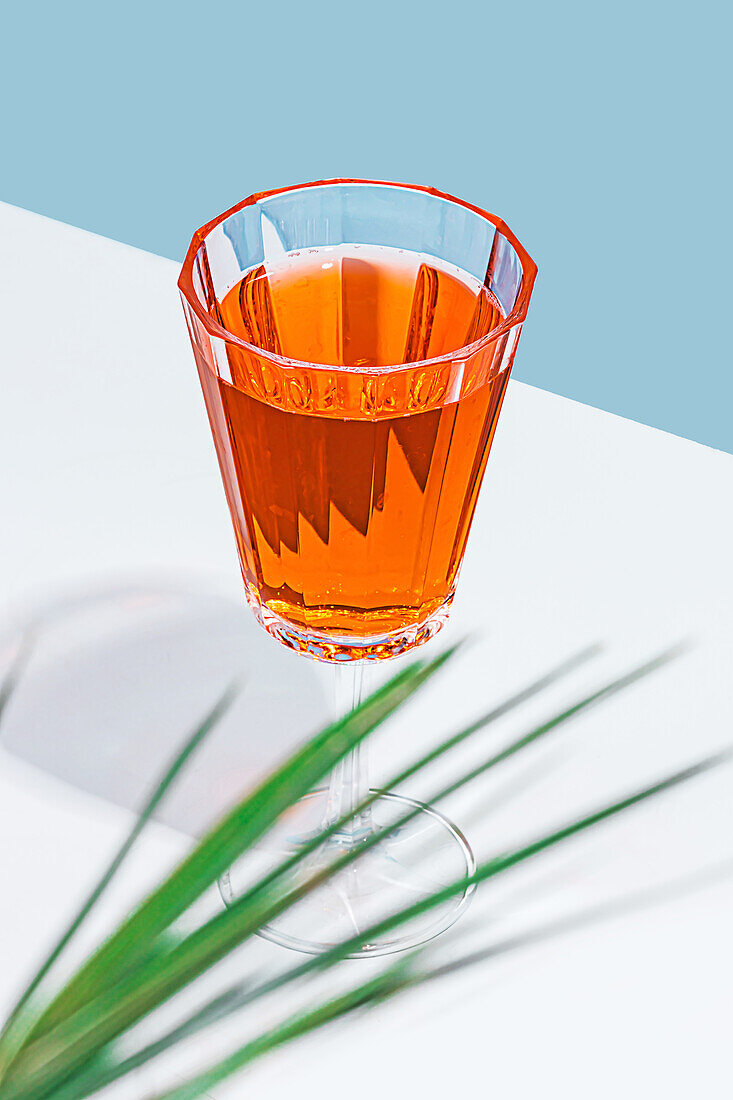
(515, 317)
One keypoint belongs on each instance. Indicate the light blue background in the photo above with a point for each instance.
(600, 132)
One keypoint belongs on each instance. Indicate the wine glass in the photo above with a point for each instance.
(354, 340)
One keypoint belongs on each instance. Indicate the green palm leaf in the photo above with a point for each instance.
(68, 1049)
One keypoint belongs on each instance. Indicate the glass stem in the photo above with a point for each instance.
(349, 783)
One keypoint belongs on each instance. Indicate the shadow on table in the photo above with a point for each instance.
(115, 677)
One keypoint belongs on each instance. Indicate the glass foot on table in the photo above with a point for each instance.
(410, 863)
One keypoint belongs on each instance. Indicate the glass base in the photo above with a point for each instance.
(411, 863)
(326, 646)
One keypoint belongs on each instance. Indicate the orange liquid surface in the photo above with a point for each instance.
(353, 489)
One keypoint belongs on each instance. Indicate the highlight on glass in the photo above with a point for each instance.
(354, 340)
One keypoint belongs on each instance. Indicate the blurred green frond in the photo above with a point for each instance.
(68, 1042)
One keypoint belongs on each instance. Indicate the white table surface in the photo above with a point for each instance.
(589, 528)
